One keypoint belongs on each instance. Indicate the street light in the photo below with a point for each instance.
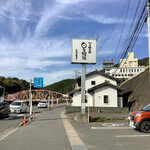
(3, 90)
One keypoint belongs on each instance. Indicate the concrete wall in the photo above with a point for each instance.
(70, 109)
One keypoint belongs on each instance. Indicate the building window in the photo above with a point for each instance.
(105, 99)
(92, 82)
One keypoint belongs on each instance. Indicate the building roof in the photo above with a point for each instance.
(73, 91)
(106, 83)
(100, 73)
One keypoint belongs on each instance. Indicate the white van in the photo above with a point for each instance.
(18, 106)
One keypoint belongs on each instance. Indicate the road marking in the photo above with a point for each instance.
(75, 141)
(8, 118)
(5, 134)
(113, 124)
(20, 115)
(145, 135)
(111, 128)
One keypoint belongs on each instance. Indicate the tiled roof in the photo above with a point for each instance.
(100, 73)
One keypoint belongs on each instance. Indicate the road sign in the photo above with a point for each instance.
(38, 82)
(83, 51)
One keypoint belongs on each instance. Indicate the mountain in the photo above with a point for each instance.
(143, 62)
(63, 86)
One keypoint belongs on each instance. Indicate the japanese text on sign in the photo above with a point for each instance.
(83, 51)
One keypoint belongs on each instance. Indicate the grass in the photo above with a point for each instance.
(100, 119)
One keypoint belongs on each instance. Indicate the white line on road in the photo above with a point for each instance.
(3, 136)
(20, 115)
(111, 128)
(133, 135)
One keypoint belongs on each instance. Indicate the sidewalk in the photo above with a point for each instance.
(46, 132)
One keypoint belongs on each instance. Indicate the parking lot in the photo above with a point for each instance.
(112, 136)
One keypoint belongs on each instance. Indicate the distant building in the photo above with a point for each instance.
(129, 62)
(108, 63)
(127, 68)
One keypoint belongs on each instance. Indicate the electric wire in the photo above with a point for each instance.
(122, 29)
(135, 34)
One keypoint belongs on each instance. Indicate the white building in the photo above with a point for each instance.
(131, 61)
(127, 68)
(101, 91)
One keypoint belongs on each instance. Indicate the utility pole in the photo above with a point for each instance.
(148, 26)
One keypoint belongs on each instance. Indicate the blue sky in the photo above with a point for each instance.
(36, 35)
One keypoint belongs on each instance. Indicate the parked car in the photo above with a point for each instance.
(140, 120)
(18, 106)
(4, 109)
(42, 104)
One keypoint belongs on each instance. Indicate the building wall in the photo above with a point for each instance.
(124, 72)
(96, 99)
(112, 97)
(129, 62)
(98, 80)
(76, 99)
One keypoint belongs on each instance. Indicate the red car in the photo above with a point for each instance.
(140, 120)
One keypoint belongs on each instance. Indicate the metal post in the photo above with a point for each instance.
(30, 98)
(148, 25)
(52, 105)
(83, 90)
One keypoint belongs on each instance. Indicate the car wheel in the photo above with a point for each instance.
(7, 115)
(145, 126)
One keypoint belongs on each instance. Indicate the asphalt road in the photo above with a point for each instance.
(111, 136)
(47, 132)
(15, 119)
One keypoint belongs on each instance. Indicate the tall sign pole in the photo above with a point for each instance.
(83, 52)
(148, 25)
(30, 98)
(83, 89)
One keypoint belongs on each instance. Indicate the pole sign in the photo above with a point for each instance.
(38, 82)
(83, 51)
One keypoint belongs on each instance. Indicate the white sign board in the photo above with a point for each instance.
(83, 51)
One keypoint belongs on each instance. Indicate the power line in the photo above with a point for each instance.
(135, 34)
(122, 29)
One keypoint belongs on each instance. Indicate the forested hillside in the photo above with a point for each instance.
(63, 86)
(143, 62)
(12, 85)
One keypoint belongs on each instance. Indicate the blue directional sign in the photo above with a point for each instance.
(38, 82)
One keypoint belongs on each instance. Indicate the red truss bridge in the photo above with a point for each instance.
(37, 95)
